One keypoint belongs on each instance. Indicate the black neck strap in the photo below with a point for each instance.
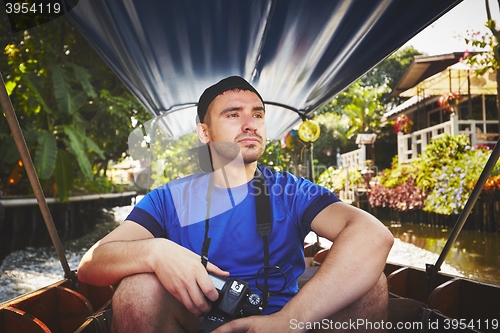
(264, 223)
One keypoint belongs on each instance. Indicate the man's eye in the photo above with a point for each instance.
(258, 115)
(232, 115)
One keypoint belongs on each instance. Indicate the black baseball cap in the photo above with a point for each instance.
(229, 83)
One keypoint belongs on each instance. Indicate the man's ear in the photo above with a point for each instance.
(202, 132)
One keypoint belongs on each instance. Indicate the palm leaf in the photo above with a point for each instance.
(45, 154)
(32, 87)
(78, 149)
(62, 90)
(78, 101)
(64, 175)
(83, 77)
(94, 147)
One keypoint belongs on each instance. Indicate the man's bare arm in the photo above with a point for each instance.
(354, 264)
(131, 249)
(352, 267)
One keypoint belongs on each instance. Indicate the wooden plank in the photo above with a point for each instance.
(396, 282)
(98, 296)
(470, 301)
(73, 309)
(13, 320)
(445, 298)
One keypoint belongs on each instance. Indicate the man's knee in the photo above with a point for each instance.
(135, 300)
(142, 304)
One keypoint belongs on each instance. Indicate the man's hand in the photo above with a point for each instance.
(181, 272)
(131, 249)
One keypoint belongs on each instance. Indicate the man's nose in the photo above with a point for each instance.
(249, 124)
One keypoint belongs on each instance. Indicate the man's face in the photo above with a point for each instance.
(236, 117)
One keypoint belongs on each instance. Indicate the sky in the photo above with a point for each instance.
(448, 33)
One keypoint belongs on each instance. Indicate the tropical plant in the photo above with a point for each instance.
(364, 110)
(455, 182)
(398, 174)
(440, 153)
(405, 196)
(441, 181)
(489, 60)
(64, 96)
(335, 179)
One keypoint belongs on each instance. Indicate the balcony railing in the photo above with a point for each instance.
(413, 144)
(356, 158)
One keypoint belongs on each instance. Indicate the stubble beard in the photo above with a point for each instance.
(252, 153)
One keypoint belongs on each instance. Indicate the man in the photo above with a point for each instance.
(156, 254)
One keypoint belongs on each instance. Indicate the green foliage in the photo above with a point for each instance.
(455, 183)
(97, 185)
(443, 151)
(441, 181)
(67, 100)
(173, 159)
(389, 71)
(362, 107)
(64, 175)
(275, 157)
(398, 174)
(490, 59)
(335, 179)
(45, 154)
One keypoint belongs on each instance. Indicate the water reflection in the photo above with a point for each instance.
(476, 255)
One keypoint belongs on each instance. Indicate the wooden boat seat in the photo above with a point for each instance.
(405, 310)
(15, 320)
(457, 298)
(97, 296)
(59, 308)
(412, 283)
(390, 267)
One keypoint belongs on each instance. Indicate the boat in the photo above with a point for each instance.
(300, 54)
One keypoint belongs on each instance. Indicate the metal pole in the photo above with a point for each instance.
(495, 154)
(32, 176)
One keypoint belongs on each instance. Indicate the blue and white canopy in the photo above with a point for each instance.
(298, 53)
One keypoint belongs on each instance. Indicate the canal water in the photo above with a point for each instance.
(475, 255)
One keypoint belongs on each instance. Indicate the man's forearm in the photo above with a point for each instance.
(352, 267)
(108, 263)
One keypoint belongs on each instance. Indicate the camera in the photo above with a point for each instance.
(235, 300)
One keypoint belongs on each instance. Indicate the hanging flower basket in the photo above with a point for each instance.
(449, 101)
(403, 124)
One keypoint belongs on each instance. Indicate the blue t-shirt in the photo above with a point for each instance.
(178, 210)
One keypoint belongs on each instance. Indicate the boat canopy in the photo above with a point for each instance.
(298, 54)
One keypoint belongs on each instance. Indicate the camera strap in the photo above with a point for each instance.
(264, 225)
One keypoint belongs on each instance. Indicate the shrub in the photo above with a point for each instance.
(335, 179)
(441, 181)
(402, 197)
